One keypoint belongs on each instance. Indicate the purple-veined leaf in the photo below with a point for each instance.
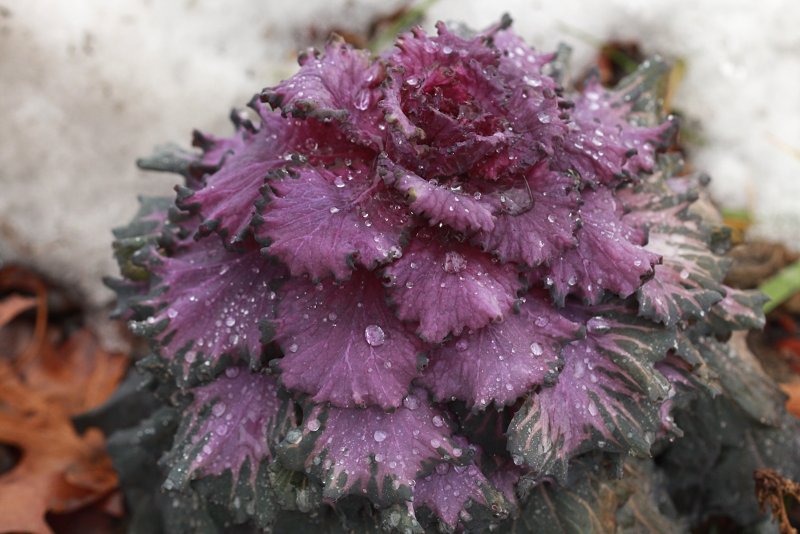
(342, 345)
(341, 83)
(438, 203)
(449, 286)
(608, 256)
(210, 302)
(502, 361)
(324, 221)
(372, 452)
(233, 421)
(227, 201)
(607, 396)
(615, 132)
(536, 219)
(687, 283)
(455, 494)
(460, 106)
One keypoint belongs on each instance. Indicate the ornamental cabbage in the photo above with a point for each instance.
(434, 289)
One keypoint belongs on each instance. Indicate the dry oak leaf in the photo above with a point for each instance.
(41, 387)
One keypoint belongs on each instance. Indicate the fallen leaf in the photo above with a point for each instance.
(47, 381)
(13, 305)
(792, 389)
(773, 490)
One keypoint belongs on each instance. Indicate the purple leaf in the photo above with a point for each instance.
(502, 361)
(536, 220)
(448, 286)
(342, 84)
(372, 452)
(603, 143)
(323, 221)
(211, 302)
(227, 201)
(450, 491)
(607, 257)
(343, 345)
(458, 106)
(607, 396)
(439, 204)
(221, 433)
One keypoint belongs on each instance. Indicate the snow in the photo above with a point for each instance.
(88, 86)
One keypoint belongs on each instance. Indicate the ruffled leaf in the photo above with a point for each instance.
(739, 310)
(742, 378)
(371, 452)
(607, 397)
(343, 345)
(438, 203)
(457, 494)
(688, 283)
(501, 361)
(608, 255)
(616, 132)
(536, 219)
(323, 221)
(449, 286)
(227, 202)
(340, 84)
(221, 434)
(456, 105)
(210, 303)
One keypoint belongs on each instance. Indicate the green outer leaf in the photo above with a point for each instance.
(593, 502)
(743, 380)
(626, 393)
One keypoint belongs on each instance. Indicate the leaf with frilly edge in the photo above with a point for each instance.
(607, 396)
(449, 286)
(438, 203)
(209, 303)
(219, 433)
(371, 452)
(503, 360)
(615, 132)
(608, 257)
(461, 495)
(535, 218)
(324, 221)
(341, 83)
(342, 345)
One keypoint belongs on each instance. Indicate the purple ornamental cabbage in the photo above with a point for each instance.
(431, 288)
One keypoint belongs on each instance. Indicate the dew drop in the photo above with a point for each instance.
(218, 409)
(374, 335)
(536, 349)
(684, 274)
(551, 218)
(172, 313)
(313, 425)
(411, 402)
(379, 435)
(334, 209)
(438, 421)
(462, 345)
(230, 321)
(293, 348)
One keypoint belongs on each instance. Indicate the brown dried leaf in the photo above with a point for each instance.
(773, 490)
(41, 387)
(12, 306)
